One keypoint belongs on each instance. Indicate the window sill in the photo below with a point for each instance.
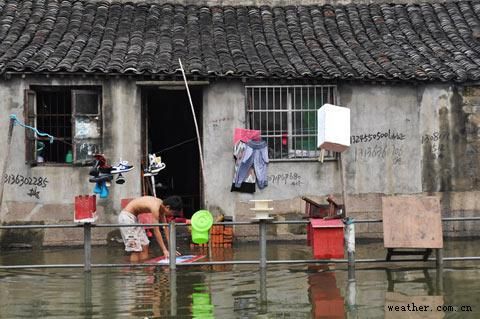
(39, 164)
(313, 159)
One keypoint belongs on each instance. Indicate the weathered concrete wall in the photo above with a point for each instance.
(224, 109)
(58, 185)
(405, 140)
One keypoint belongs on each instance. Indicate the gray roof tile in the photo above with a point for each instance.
(434, 41)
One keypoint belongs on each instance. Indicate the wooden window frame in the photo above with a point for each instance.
(31, 115)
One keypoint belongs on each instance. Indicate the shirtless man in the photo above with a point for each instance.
(135, 238)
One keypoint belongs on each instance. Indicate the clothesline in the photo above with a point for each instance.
(15, 119)
(37, 132)
(176, 145)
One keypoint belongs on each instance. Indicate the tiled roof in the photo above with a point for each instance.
(438, 41)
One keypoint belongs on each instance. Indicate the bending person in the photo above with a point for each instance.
(135, 238)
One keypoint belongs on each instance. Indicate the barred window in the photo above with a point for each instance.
(287, 117)
(72, 115)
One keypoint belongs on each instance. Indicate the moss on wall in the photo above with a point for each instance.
(22, 238)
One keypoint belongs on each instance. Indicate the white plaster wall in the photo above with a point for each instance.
(124, 124)
(383, 164)
(223, 110)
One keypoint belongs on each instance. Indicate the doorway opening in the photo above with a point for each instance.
(169, 131)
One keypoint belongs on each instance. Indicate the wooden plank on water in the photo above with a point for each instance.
(412, 222)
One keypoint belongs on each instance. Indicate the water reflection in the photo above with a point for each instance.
(325, 296)
(87, 295)
(201, 302)
(233, 291)
(413, 293)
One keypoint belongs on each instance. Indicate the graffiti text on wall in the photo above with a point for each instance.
(437, 142)
(379, 151)
(21, 180)
(369, 137)
(34, 193)
(435, 137)
(217, 122)
(291, 178)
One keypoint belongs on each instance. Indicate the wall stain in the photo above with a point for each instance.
(449, 160)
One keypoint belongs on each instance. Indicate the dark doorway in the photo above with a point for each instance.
(170, 134)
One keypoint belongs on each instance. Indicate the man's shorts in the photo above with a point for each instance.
(133, 237)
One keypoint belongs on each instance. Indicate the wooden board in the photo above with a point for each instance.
(180, 259)
(412, 222)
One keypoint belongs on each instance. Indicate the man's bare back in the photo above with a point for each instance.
(144, 204)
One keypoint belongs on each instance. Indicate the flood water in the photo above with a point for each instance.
(417, 290)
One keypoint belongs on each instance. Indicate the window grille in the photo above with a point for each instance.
(287, 118)
(71, 115)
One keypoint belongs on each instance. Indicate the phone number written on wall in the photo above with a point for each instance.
(21, 180)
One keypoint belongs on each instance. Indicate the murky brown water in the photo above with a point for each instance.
(240, 291)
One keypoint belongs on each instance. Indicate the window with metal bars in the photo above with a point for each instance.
(72, 115)
(287, 118)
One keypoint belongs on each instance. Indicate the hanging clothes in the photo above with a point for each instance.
(255, 155)
(248, 184)
(245, 135)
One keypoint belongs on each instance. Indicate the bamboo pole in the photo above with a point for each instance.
(194, 120)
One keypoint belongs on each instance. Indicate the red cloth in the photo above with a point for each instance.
(147, 218)
(245, 135)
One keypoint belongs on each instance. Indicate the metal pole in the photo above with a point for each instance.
(439, 277)
(263, 243)
(350, 241)
(351, 299)
(172, 249)
(263, 291)
(342, 180)
(173, 292)
(439, 255)
(87, 244)
(152, 179)
(87, 280)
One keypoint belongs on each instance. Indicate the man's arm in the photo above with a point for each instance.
(165, 228)
(158, 237)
